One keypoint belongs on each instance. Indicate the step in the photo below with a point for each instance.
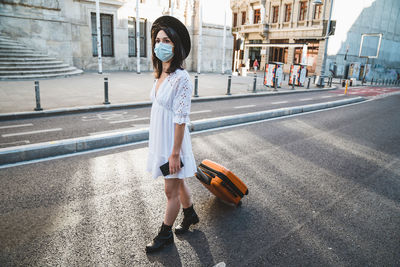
(13, 51)
(34, 63)
(10, 47)
(26, 59)
(44, 76)
(33, 67)
(6, 55)
(28, 72)
(9, 43)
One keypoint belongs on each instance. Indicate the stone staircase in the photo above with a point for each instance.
(18, 62)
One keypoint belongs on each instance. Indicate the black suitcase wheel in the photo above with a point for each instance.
(203, 177)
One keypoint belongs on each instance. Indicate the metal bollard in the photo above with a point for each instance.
(255, 83)
(284, 77)
(275, 85)
(293, 81)
(372, 81)
(228, 90)
(37, 93)
(308, 83)
(106, 102)
(315, 77)
(196, 86)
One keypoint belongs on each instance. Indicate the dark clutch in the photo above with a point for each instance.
(165, 168)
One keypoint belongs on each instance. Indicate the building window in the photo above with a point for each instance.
(132, 37)
(317, 11)
(288, 12)
(303, 11)
(275, 14)
(257, 16)
(243, 18)
(234, 19)
(106, 33)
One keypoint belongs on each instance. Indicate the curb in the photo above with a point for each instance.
(69, 146)
(72, 110)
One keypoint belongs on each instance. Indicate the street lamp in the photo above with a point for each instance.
(318, 3)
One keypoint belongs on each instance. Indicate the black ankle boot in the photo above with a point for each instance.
(164, 237)
(189, 217)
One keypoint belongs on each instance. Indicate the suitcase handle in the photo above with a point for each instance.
(202, 177)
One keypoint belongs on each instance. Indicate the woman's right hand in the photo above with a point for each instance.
(174, 163)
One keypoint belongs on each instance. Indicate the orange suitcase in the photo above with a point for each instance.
(221, 182)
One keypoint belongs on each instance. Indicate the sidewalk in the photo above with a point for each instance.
(124, 87)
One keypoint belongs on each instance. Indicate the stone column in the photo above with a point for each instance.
(286, 67)
(320, 57)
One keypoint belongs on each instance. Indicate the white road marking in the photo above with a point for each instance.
(130, 120)
(305, 99)
(280, 102)
(200, 111)
(25, 142)
(121, 129)
(327, 96)
(32, 132)
(16, 126)
(247, 106)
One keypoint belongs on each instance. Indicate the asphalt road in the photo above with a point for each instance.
(35, 130)
(324, 191)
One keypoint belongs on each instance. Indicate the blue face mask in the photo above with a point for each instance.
(163, 52)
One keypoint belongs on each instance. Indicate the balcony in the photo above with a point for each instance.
(261, 28)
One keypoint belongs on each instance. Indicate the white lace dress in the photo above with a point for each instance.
(171, 105)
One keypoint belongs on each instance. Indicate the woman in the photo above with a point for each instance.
(169, 138)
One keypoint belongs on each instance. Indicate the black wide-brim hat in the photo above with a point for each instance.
(178, 26)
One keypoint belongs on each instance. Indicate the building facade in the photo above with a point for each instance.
(66, 30)
(373, 19)
(287, 31)
(293, 32)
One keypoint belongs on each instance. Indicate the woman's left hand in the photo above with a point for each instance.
(174, 164)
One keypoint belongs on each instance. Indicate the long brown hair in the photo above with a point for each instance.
(179, 51)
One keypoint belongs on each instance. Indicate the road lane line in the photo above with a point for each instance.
(25, 142)
(247, 106)
(16, 126)
(32, 132)
(122, 121)
(136, 127)
(327, 96)
(280, 102)
(305, 99)
(201, 111)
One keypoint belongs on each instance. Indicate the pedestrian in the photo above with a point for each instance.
(255, 65)
(169, 137)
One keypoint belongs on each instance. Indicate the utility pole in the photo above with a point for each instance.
(98, 37)
(224, 43)
(137, 38)
(319, 2)
(200, 41)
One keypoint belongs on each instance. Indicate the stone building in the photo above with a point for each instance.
(66, 30)
(293, 31)
(279, 31)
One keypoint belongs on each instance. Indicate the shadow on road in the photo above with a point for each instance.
(169, 256)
